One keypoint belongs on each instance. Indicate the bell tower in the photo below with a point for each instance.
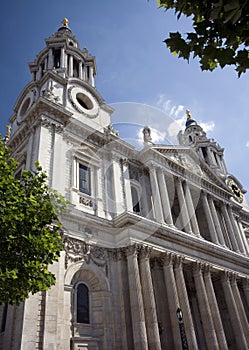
(59, 105)
(208, 149)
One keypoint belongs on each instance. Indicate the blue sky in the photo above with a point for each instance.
(133, 65)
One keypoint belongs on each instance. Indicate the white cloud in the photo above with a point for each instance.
(247, 144)
(166, 105)
(178, 116)
(208, 126)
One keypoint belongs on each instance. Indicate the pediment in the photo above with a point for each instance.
(191, 162)
(85, 153)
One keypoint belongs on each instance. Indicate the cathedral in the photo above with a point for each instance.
(156, 240)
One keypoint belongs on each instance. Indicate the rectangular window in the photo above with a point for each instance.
(84, 179)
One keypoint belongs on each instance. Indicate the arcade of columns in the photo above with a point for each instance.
(225, 228)
(146, 307)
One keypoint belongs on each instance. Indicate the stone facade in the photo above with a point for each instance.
(156, 241)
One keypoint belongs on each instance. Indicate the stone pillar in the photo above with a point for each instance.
(165, 198)
(117, 184)
(243, 236)
(136, 300)
(214, 308)
(191, 210)
(50, 59)
(126, 185)
(62, 61)
(70, 68)
(156, 195)
(236, 231)
(233, 312)
(149, 299)
(245, 286)
(229, 226)
(67, 328)
(183, 207)
(204, 307)
(216, 222)
(172, 297)
(240, 306)
(211, 226)
(184, 302)
(80, 70)
(121, 305)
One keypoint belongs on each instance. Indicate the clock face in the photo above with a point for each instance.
(238, 196)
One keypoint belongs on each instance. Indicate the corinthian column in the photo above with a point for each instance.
(236, 230)
(149, 299)
(184, 303)
(136, 300)
(214, 308)
(156, 195)
(245, 286)
(191, 210)
(165, 198)
(183, 207)
(216, 222)
(233, 312)
(229, 226)
(203, 302)
(172, 297)
(209, 217)
(240, 306)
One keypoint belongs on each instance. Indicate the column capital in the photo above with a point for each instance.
(132, 250)
(197, 267)
(116, 254)
(178, 261)
(233, 278)
(145, 252)
(226, 276)
(180, 179)
(207, 269)
(167, 258)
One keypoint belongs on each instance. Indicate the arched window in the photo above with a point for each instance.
(82, 304)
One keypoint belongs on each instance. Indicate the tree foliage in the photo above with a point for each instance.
(30, 237)
(220, 34)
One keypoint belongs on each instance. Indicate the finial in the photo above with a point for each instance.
(65, 22)
(189, 116)
(7, 135)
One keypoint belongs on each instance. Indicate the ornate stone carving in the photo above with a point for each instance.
(49, 124)
(167, 258)
(145, 252)
(109, 130)
(76, 250)
(49, 94)
(86, 201)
